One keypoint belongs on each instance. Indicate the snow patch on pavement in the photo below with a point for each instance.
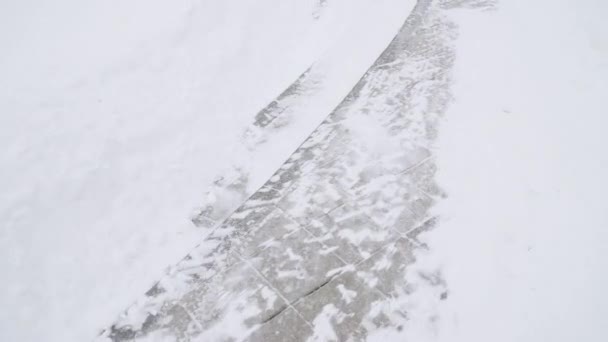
(286, 122)
(116, 118)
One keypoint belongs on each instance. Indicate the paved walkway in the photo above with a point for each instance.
(321, 251)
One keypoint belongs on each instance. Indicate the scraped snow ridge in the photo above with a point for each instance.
(118, 116)
(271, 170)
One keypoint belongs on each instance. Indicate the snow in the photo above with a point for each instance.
(120, 120)
(325, 84)
(116, 118)
(324, 331)
(522, 155)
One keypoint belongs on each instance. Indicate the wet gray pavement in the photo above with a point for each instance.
(321, 251)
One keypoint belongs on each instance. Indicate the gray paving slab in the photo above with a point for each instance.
(297, 265)
(287, 326)
(321, 252)
(269, 233)
(312, 197)
(355, 236)
(386, 269)
(337, 310)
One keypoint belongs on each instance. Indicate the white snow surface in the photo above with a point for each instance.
(522, 155)
(115, 117)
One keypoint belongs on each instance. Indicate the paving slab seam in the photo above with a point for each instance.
(312, 235)
(278, 293)
(374, 226)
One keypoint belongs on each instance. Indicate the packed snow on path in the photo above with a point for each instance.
(115, 119)
(522, 156)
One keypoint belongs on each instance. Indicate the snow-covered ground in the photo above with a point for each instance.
(116, 118)
(121, 121)
(522, 156)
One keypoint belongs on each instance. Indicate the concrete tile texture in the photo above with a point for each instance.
(321, 251)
